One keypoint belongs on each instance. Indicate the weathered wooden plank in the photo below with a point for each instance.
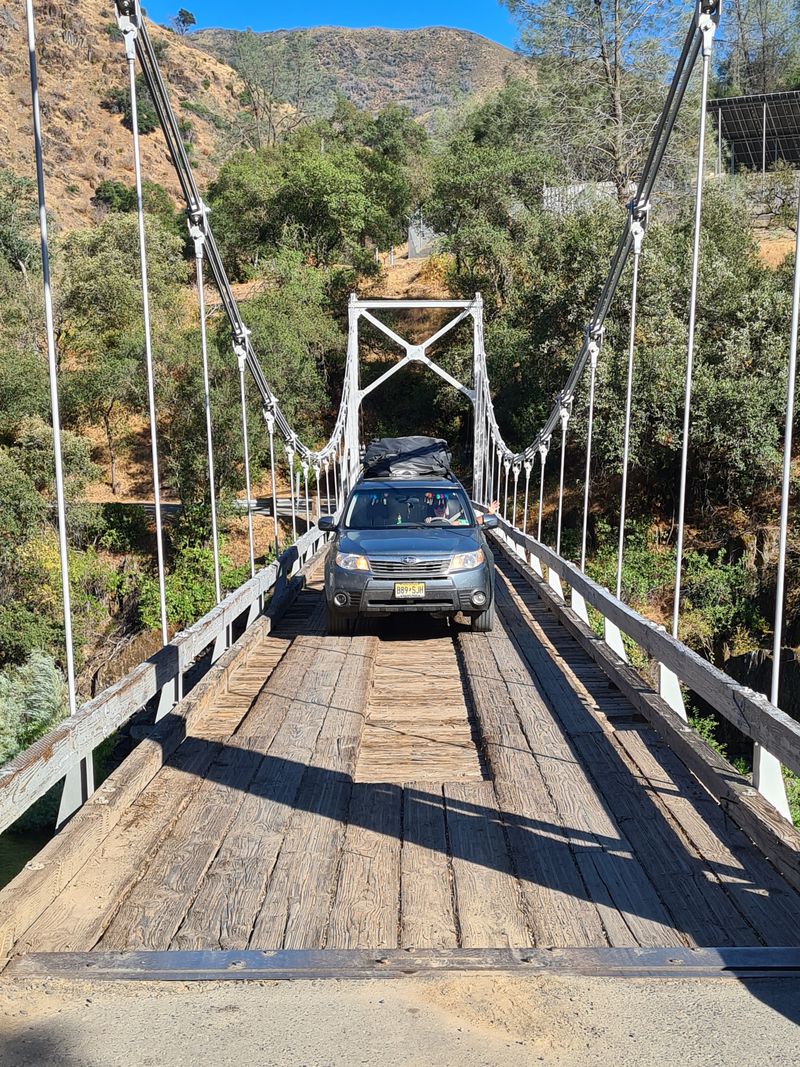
(487, 893)
(365, 911)
(560, 911)
(761, 895)
(223, 912)
(297, 904)
(151, 914)
(749, 711)
(701, 909)
(37, 885)
(619, 882)
(417, 725)
(427, 918)
(775, 838)
(613, 875)
(78, 916)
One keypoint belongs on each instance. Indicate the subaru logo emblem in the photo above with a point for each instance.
(410, 559)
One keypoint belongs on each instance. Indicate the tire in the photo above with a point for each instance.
(483, 623)
(338, 625)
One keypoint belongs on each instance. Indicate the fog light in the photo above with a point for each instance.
(478, 598)
(340, 599)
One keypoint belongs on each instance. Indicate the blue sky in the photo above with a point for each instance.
(484, 16)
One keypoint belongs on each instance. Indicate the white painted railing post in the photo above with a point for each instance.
(554, 582)
(768, 780)
(669, 688)
(78, 787)
(612, 635)
(579, 605)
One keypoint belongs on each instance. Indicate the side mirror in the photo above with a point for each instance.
(490, 522)
(326, 522)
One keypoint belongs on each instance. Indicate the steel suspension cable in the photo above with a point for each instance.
(565, 414)
(246, 454)
(197, 232)
(708, 26)
(765, 765)
(305, 489)
(637, 229)
(290, 457)
(275, 517)
(52, 366)
(514, 511)
(594, 352)
(543, 450)
(129, 34)
(528, 467)
(327, 491)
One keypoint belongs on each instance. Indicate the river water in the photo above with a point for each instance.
(17, 848)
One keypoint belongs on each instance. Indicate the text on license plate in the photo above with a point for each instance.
(409, 590)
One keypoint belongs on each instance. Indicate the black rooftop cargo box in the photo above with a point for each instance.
(407, 457)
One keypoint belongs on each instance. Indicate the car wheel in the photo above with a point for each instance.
(483, 623)
(338, 625)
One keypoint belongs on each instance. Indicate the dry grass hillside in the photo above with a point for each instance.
(81, 58)
(427, 70)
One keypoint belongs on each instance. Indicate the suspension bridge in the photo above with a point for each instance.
(411, 796)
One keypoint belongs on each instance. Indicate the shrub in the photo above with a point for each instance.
(22, 631)
(33, 698)
(189, 587)
(118, 101)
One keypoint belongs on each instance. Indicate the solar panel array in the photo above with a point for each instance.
(764, 127)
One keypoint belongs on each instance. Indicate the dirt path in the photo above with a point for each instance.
(493, 1020)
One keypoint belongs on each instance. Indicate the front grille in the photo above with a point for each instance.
(398, 568)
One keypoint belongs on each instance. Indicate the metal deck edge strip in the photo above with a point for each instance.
(218, 965)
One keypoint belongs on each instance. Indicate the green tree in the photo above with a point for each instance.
(101, 319)
(324, 191)
(760, 50)
(601, 66)
(118, 101)
(183, 21)
(277, 76)
(17, 221)
(484, 199)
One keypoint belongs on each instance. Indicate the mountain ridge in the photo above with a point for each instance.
(428, 70)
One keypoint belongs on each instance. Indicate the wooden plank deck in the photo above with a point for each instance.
(454, 791)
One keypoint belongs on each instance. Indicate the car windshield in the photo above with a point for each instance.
(382, 509)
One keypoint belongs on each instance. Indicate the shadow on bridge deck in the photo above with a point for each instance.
(559, 818)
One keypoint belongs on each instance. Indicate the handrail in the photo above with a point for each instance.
(31, 773)
(747, 710)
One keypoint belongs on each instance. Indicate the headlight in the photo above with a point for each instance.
(349, 561)
(466, 561)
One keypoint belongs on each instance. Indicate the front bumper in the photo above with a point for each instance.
(367, 595)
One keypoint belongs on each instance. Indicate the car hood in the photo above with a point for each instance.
(416, 541)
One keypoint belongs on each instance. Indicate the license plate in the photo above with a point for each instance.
(409, 590)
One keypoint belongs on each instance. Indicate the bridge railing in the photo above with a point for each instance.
(568, 591)
(66, 752)
(749, 711)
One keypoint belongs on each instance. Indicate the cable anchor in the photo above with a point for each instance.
(197, 222)
(639, 215)
(708, 12)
